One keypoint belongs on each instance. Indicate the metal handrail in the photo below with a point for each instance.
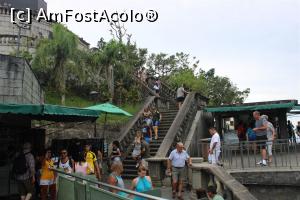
(147, 196)
(245, 154)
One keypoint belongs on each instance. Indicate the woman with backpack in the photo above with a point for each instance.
(47, 180)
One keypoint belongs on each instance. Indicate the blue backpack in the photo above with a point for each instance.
(251, 134)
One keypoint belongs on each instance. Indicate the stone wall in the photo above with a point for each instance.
(29, 37)
(18, 84)
(82, 131)
(268, 184)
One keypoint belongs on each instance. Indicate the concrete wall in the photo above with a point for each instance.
(266, 192)
(268, 184)
(18, 83)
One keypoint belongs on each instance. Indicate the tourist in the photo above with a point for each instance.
(261, 126)
(64, 162)
(156, 88)
(115, 155)
(201, 194)
(24, 172)
(214, 147)
(180, 95)
(156, 121)
(177, 161)
(145, 153)
(147, 116)
(81, 166)
(290, 129)
(212, 193)
(241, 131)
(91, 159)
(147, 132)
(142, 183)
(137, 148)
(115, 178)
(298, 128)
(47, 179)
(271, 134)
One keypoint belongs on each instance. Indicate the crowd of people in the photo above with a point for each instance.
(36, 176)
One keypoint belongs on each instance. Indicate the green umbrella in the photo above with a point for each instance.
(108, 108)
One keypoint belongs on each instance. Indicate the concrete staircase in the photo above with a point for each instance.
(168, 116)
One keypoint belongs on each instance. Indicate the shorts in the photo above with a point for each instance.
(261, 141)
(136, 153)
(214, 158)
(180, 99)
(148, 121)
(147, 139)
(156, 123)
(25, 187)
(178, 174)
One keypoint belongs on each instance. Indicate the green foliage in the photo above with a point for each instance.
(54, 55)
(163, 65)
(220, 90)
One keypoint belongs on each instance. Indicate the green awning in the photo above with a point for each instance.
(296, 108)
(49, 112)
(238, 108)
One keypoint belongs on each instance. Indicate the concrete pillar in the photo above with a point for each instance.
(157, 167)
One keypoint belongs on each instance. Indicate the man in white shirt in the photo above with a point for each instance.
(177, 160)
(214, 147)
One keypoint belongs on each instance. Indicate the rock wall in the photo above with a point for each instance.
(18, 84)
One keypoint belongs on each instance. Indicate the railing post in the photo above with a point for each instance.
(241, 155)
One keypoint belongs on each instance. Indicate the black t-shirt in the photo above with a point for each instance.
(298, 129)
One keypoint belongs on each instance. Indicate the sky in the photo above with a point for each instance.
(256, 43)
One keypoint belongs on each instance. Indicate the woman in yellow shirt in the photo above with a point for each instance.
(47, 179)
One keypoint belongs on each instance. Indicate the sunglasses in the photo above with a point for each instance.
(63, 153)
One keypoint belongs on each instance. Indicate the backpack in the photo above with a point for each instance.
(20, 164)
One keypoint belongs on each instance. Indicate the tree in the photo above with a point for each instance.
(164, 65)
(220, 90)
(55, 53)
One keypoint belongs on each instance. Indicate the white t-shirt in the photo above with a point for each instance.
(215, 139)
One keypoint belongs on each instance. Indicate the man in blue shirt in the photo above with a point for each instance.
(177, 161)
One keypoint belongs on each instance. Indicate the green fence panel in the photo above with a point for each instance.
(66, 188)
(154, 192)
(97, 193)
(80, 190)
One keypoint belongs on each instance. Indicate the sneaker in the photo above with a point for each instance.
(264, 163)
(259, 163)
